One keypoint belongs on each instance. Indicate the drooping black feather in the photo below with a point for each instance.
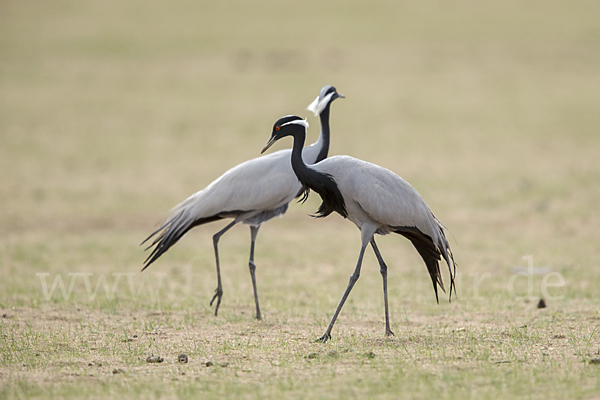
(429, 252)
(327, 188)
(303, 194)
(449, 258)
(170, 233)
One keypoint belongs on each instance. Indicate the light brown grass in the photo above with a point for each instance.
(111, 113)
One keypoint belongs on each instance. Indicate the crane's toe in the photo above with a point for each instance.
(388, 332)
(218, 295)
(324, 338)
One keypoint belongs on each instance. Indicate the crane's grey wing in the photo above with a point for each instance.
(263, 183)
(383, 195)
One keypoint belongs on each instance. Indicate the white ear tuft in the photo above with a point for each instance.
(313, 107)
(302, 122)
(318, 106)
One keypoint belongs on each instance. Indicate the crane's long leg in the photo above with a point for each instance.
(253, 233)
(353, 278)
(383, 270)
(219, 290)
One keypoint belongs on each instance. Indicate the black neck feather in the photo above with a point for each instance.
(320, 182)
(324, 134)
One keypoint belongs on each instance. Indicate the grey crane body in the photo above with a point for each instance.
(377, 196)
(252, 192)
(376, 200)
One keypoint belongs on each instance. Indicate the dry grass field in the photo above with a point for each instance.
(113, 112)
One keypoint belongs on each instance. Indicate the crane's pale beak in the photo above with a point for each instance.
(341, 96)
(272, 140)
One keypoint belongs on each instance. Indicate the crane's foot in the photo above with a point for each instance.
(218, 295)
(258, 316)
(388, 332)
(323, 338)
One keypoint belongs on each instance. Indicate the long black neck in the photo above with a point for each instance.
(320, 182)
(324, 134)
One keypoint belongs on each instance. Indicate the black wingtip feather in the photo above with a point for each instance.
(452, 274)
(430, 254)
(170, 233)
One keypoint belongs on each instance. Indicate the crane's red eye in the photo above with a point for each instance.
(277, 128)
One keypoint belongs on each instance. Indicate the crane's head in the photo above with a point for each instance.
(326, 96)
(286, 126)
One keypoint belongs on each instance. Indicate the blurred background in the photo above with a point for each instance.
(113, 112)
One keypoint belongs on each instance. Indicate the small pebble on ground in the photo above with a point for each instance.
(154, 359)
(541, 303)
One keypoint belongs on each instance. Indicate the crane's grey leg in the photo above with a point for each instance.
(353, 278)
(383, 270)
(219, 290)
(253, 233)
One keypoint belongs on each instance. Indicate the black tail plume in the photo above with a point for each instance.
(170, 232)
(430, 254)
